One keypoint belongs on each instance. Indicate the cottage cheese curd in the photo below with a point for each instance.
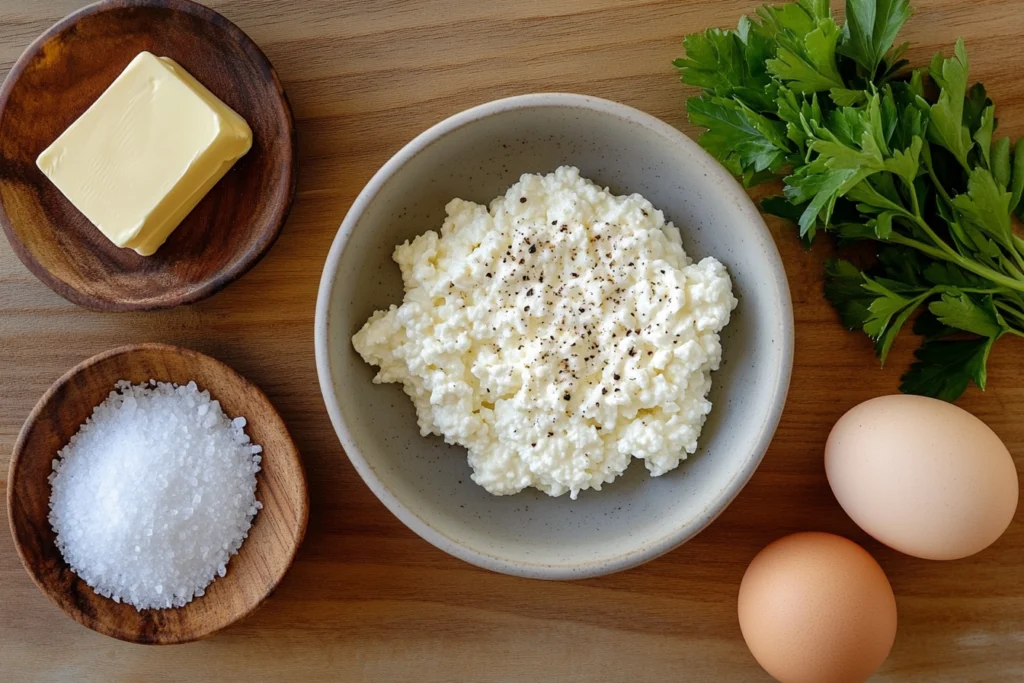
(556, 335)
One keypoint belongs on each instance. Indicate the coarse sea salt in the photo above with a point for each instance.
(154, 494)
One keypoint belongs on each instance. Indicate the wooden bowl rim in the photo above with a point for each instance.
(97, 624)
(266, 239)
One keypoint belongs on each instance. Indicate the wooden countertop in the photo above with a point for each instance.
(369, 600)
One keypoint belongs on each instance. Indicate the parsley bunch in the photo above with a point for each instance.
(872, 151)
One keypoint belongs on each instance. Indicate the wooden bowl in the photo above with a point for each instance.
(61, 74)
(252, 574)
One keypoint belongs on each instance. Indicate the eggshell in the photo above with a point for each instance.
(817, 608)
(922, 476)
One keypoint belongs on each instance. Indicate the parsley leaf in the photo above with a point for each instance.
(929, 327)
(809, 65)
(983, 134)
(844, 288)
(782, 207)
(730, 64)
(962, 312)
(797, 111)
(1017, 178)
(888, 312)
(944, 368)
(739, 137)
(947, 115)
(871, 28)
(987, 206)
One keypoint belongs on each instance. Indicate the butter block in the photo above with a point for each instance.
(143, 155)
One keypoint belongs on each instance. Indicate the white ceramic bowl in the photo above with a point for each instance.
(477, 155)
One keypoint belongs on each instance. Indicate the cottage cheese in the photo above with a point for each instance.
(556, 335)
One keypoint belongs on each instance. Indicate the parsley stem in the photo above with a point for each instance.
(1013, 249)
(923, 224)
(1015, 274)
(948, 254)
(1012, 310)
(935, 180)
(1016, 257)
(949, 202)
(913, 198)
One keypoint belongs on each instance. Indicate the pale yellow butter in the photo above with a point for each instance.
(143, 155)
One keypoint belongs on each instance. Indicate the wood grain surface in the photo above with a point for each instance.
(272, 541)
(231, 228)
(366, 598)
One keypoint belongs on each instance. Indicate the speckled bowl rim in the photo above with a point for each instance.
(716, 175)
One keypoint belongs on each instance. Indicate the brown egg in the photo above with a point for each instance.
(817, 608)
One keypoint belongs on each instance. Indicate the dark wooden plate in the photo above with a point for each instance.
(61, 74)
(263, 559)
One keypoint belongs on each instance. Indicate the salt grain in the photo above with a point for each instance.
(154, 494)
